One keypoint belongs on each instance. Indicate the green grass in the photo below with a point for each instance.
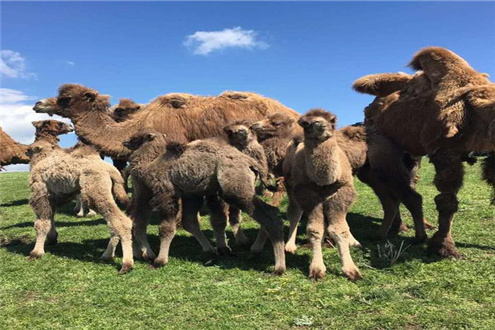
(71, 288)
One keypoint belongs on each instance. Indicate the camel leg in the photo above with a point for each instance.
(448, 180)
(119, 224)
(190, 209)
(218, 220)
(44, 224)
(315, 232)
(335, 210)
(109, 253)
(235, 219)
(140, 211)
(168, 206)
(294, 214)
(79, 208)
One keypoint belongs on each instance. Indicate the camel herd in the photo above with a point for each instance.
(184, 153)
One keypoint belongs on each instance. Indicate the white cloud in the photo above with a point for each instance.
(13, 65)
(205, 42)
(70, 63)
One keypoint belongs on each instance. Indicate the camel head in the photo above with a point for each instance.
(39, 147)
(318, 124)
(73, 99)
(51, 127)
(277, 125)
(239, 133)
(124, 109)
(143, 137)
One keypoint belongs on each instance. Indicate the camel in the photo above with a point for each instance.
(11, 151)
(183, 117)
(202, 168)
(319, 182)
(444, 111)
(366, 151)
(57, 176)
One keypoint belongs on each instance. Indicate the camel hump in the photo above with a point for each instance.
(176, 100)
(354, 132)
(381, 84)
(435, 58)
(481, 96)
(236, 95)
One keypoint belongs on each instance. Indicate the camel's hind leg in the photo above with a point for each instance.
(96, 190)
(241, 194)
(44, 209)
(218, 219)
(335, 210)
(167, 204)
(190, 208)
(140, 211)
(235, 219)
(448, 180)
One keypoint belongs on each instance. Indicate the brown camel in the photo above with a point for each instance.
(182, 117)
(11, 151)
(57, 176)
(203, 168)
(363, 150)
(319, 182)
(443, 111)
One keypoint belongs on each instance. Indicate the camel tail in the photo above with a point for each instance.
(381, 84)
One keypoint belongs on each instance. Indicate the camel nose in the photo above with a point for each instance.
(256, 126)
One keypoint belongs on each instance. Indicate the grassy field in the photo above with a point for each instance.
(71, 288)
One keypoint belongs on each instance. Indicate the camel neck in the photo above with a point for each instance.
(322, 161)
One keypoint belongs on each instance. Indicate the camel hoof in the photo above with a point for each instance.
(157, 263)
(353, 274)
(106, 257)
(79, 215)
(443, 246)
(126, 268)
(34, 255)
(290, 248)
(225, 251)
(91, 213)
(209, 258)
(316, 273)
(279, 270)
(148, 256)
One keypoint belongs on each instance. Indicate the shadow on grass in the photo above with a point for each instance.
(18, 202)
(95, 222)
(184, 247)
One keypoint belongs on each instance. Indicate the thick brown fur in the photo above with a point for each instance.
(57, 176)
(125, 109)
(320, 183)
(451, 115)
(205, 168)
(182, 117)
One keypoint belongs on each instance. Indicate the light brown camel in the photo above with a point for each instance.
(319, 182)
(203, 168)
(443, 111)
(11, 151)
(57, 176)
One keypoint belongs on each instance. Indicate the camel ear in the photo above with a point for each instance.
(37, 123)
(333, 119)
(89, 96)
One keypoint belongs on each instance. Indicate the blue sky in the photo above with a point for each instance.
(303, 54)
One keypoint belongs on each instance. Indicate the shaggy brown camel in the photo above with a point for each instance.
(319, 182)
(201, 168)
(443, 111)
(277, 133)
(11, 151)
(57, 176)
(182, 117)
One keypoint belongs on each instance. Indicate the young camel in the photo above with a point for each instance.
(366, 151)
(57, 176)
(201, 168)
(319, 182)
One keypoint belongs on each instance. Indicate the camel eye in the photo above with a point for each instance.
(276, 124)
